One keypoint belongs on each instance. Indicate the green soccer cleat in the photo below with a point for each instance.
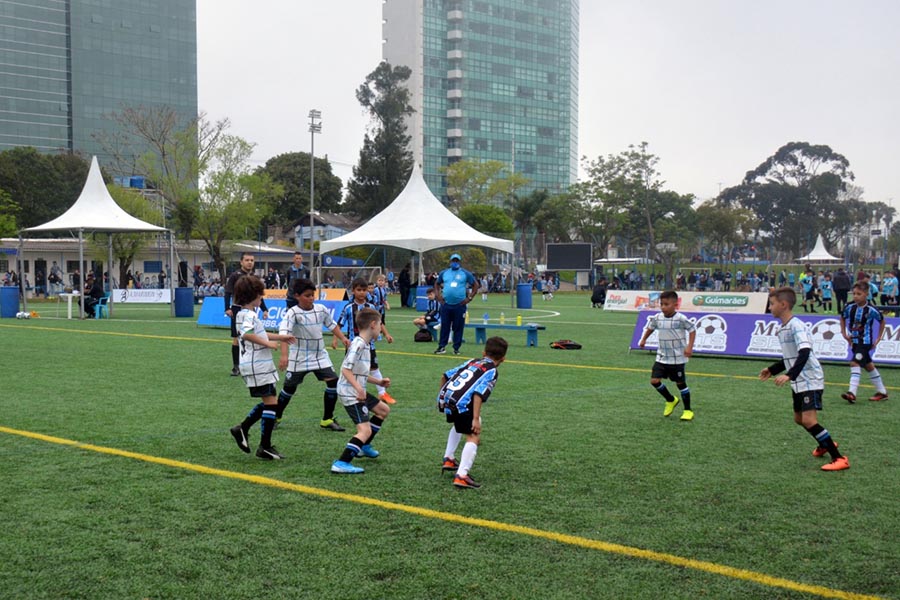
(670, 406)
(687, 415)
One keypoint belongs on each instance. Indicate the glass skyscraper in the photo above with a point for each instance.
(66, 65)
(492, 80)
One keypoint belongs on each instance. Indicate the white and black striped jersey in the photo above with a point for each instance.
(794, 336)
(358, 360)
(256, 365)
(671, 333)
(309, 353)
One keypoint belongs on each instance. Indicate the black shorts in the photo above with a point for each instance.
(862, 354)
(811, 400)
(462, 422)
(811, 295)
(262, 391)
(361, 411)
(295, 378)
(664, 371)
(235, 309)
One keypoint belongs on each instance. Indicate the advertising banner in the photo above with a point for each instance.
(719, 302)
(757, 335)
(142, 296)
(212, 312)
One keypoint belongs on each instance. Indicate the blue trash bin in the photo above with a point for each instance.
(421, 303)
(184, 302)
(9, 301)
(523, 295)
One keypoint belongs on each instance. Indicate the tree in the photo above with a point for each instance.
(291, 171)
(385, 160)
(9, 210)
(481, 182)
(490, 220)
(724, 226)
(524, 212)
(43, 186)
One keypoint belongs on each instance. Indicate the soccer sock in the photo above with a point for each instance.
(854, 379)
(453, 439)
(235, 355)
(284, 398)
(824, 438)
(685, 395)
(470, 450)
(377, 373)
(252, 417)
(375, 423)
(664, 391)
(269, 412)
(329, 401)
(875, 378)
(351, 450)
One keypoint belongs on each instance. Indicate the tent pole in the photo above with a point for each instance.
(21, 275)
(109, 274)
(83, 273)
(173, 271)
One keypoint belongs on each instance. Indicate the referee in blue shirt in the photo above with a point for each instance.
(455, 287)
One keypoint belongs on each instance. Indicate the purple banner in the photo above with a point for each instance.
(732, 334)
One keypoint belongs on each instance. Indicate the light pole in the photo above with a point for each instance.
(315, 126)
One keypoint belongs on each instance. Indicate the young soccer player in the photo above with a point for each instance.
(432, 316)
(256, 366)
(808, 281)
(857, 324)
(804, 373)
(463, 391)
(305, 321)
(890, 288)
(365, 410)
(827, 288)
(380, 297)
(672, 352)
(347, 322)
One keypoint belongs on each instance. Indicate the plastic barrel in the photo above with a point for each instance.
(523, 295)
(422, 298)
(184, 302)
(9, 301)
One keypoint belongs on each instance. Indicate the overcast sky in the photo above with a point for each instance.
(714, 87)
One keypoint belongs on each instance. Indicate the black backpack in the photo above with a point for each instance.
(565, 345)
(423, 335)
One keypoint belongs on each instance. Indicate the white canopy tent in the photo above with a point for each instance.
(416, 220)
(819, 254)
(95, 211)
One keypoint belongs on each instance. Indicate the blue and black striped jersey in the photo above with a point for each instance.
(477, 376)
(858, 320)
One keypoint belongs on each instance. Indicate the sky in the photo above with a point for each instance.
(713, 86)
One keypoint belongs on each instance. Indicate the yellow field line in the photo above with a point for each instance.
(572, 540)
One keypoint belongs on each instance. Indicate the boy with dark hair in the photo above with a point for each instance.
(256, 366)
(804, 374)
(359, 404)
(432, 316)
(827, 287)
(231, 310)
(808, 281)
(463, 390)
(672, 352)
(857, 324)
(305, 321)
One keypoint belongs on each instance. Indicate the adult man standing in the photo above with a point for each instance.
(455, 288)
(841, 284)
(231, 311)
(295, 272)
(405, 284)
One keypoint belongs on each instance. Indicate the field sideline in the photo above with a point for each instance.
(589, 492)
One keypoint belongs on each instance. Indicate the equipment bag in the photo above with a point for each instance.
(565, 345)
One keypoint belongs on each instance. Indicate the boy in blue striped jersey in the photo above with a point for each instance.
(857, 324)
(804, 374)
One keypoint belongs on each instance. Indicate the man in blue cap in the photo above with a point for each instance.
(455, 287)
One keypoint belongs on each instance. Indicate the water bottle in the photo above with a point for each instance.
(486, 317)
(467, 317)
(502, 318)
(519, 320)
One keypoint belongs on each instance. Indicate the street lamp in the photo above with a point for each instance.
(315, 126)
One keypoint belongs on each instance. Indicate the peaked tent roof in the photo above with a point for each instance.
(819, 253)
(416, 220)
(95, 210)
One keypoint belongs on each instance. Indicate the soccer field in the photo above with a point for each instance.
(120, 478)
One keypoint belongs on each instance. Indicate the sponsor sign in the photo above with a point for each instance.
(142, 296)
(637, 300)
(757, 335)
(212, 312)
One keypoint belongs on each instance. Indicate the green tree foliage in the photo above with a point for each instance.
(385, 160)
(724, 226)
(9, 210)
(524, 212)
(42, 186)
(481, 182)
(291, 171)
(490, 220)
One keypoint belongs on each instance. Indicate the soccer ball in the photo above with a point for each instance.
(827, 330)
(23, 315)
(711, 325)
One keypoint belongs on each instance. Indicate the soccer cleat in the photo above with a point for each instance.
(235, 372)
(269, 453)
(340, 466)
(369, 452)
(441, 350)
(821, 451)
(240, 436)
(387, 398)
(331, 425)
(849, 397)
(450, 464)
(838, 464)
(687, 415)
(465, 482)
(879, 397)
(670, 406)
(456, 351)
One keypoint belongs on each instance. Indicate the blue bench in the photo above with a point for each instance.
(530, 329)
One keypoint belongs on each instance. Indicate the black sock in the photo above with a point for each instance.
(235, 355)
(269, 413)
(375, 423)
(284, 398)
(351, 450)
(822, 436)
(664, 391)
(685, 395)
(253, 416)
(329, 400)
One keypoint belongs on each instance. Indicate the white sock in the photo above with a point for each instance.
(467, 458)
(453, 440)
(854, 379)
(377, 373)
(875, 378)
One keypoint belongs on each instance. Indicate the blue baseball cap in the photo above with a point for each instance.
(455, 256)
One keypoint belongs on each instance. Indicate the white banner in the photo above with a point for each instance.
(717, 302)
(144, 296)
